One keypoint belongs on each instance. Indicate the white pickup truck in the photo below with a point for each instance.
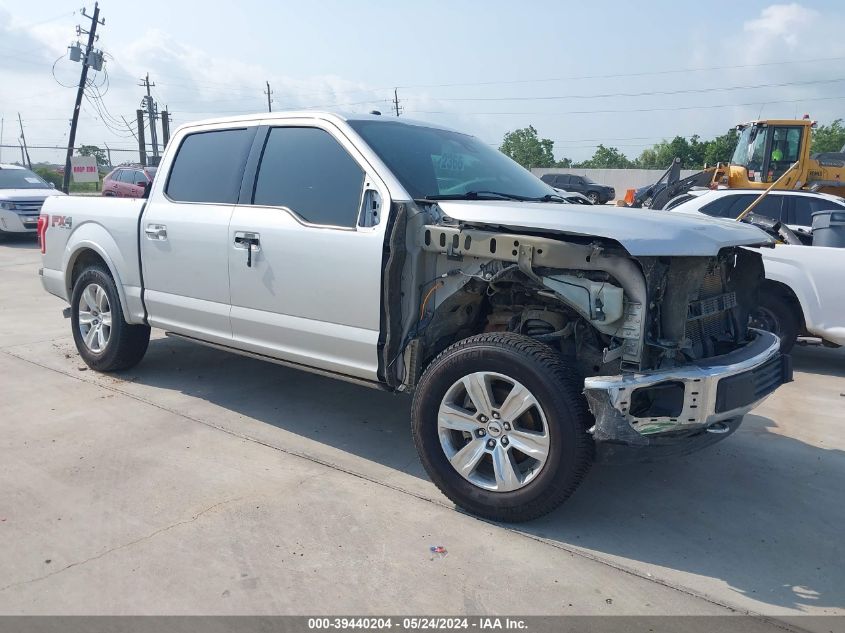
(536, 336)
(801, 295)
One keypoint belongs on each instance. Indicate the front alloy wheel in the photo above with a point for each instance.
(500, 425)
(493, 431)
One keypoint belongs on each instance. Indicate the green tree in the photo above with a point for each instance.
(720, 149)
(606, 158)
(50, 175)
(828, 138)
(528, 149)
(96, 152)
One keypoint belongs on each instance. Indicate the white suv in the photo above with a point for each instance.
(793, 208)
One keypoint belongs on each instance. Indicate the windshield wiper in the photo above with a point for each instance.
(549, 197)
(479, 195)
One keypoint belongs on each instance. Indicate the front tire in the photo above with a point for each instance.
(775, 314)
(593, 197)
(500, 426)
(105, 341)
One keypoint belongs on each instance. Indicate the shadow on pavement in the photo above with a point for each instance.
(815, 359)
(16, 240)
(761, 512)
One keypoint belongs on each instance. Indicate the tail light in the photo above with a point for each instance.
(43, 221)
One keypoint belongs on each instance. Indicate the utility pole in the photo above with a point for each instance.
(108, 152)
(396, 105)
(23, 158)
(165, 128)
(89, 59)
(269, 100)
(142, 149)
(23, 138)
(151, 115)
(2, 123)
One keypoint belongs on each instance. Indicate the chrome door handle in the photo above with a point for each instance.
(156, 232)
(248, 241)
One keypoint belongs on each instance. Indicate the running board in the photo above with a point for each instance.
(284, 363)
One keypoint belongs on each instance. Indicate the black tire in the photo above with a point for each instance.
(594, 197)
(556, 387)
(126, 344)
(776, 314)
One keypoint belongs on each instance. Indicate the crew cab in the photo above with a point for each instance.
(22, 192)
(535, 336)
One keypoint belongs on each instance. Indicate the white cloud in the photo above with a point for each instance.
(781, 29)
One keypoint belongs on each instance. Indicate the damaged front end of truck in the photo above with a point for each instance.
(658, 331)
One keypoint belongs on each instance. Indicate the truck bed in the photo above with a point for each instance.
(84, 226)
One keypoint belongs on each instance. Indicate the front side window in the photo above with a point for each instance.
(209, 166)
(307, 171)
(719, 208)
(432, 163)
(124, 175)
(732, 206)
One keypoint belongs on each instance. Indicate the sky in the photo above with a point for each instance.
(623, 74)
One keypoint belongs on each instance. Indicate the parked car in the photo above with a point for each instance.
(128, 181)
(793, 208)
(801, 295)
(429, 263)
(598, 194)
(22, 192)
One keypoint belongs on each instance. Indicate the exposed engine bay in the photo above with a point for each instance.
(587, 297)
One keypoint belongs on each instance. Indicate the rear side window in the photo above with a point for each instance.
(307, 171)
(562, 180)
(209, 166)
(731, 206)
(805, 206)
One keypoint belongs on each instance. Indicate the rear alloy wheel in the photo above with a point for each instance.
(94, 318)
(500, 425)
(105, 341)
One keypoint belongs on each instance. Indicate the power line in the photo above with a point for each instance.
(644, 94)
(628, 74)
(668, 109)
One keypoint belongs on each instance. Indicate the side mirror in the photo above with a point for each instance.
(52, 185)
(141, 183)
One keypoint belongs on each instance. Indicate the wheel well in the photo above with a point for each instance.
(85, 258)
(781, 290)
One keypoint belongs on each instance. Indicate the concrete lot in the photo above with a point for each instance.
(202, 482)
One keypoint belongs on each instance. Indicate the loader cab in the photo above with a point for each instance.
(766, 149)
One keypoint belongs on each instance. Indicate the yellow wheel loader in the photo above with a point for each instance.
(764, 152)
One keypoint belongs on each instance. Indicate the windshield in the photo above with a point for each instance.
(21, 179)
(750, 148)
(433, 163)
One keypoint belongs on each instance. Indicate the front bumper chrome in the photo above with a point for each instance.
(704, 394)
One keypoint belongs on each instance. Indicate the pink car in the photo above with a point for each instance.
(128, 181)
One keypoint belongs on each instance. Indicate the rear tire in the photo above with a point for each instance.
(105, 341)
(776, 314)
(530, 451)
